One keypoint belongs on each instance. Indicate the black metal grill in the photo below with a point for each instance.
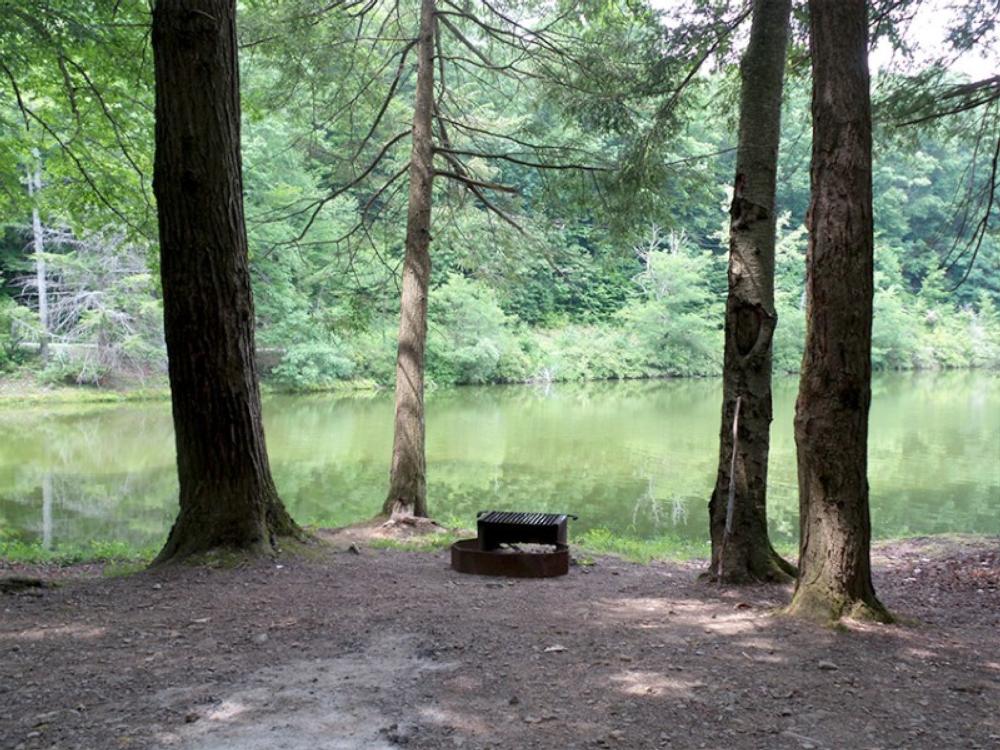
(496, 527)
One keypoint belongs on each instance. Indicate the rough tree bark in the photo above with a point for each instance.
(408, 474)
(831, 414)
(741, 550)
(41, 275)
(227, 495)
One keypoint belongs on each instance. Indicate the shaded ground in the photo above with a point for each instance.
(388, 648)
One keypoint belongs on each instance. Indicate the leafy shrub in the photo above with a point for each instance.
(313, 365)
(15, 320)
(66, 369)
(676, 319)
(374, 354)
(895, 332)
(984, 334)
(588, 352)
(468, 333)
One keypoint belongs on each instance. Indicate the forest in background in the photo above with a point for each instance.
(610, 265)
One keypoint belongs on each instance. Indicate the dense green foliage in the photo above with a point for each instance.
(615, 274)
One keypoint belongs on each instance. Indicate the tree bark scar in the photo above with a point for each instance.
(735, 208)
(748, 322)
(744, 212)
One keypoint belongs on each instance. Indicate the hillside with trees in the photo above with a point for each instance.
(577, 269)
(203, 196)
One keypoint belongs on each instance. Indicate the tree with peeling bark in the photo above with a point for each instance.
(741, 549)
(38, 244)
(831, 413)
(227, 496)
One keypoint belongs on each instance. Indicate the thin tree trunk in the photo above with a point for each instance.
(41, 276)
(227, 495)
(47, 510)
(408, 475)
(741, 549)
(831, 414)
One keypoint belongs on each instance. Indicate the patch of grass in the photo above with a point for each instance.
(33, 553)
(123, 569)
(427, 543)
(353, 387)
(18, 396)
(605, 542)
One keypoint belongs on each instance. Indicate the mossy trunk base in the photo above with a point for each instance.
(256, 532)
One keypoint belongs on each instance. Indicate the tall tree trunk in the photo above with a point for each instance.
(227, 495)
(408, 474)
(741, 550)
(41, 276)
(831, 414)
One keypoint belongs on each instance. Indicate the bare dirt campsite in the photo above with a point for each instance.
(643, 232)
(383, 648)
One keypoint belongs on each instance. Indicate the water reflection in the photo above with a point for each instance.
(638, 458)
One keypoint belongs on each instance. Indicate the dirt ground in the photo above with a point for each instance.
(384, 649)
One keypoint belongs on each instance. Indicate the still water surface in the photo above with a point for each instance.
(636, 458)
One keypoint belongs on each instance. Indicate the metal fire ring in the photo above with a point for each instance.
(468, 557)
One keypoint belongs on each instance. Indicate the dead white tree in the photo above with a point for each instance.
(34, 182)
(102, 305)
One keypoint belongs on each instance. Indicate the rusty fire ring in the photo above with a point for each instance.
(468, 557)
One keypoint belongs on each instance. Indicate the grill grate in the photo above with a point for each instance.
(524, 519)
(496, 527)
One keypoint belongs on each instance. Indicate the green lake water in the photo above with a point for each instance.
(637, 458)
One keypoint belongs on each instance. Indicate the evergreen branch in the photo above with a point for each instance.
(17, 93)
(476, 191)
(84, 173)
(988, 90)
(466, 43)
(470, 181)
(523, 162)
(316, 206)
(115, 128)
(527, 144)
(979, 233)
(388, 98)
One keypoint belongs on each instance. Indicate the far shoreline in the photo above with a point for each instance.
(17, 392)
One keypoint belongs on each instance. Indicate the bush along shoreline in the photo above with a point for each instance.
(673, 329)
